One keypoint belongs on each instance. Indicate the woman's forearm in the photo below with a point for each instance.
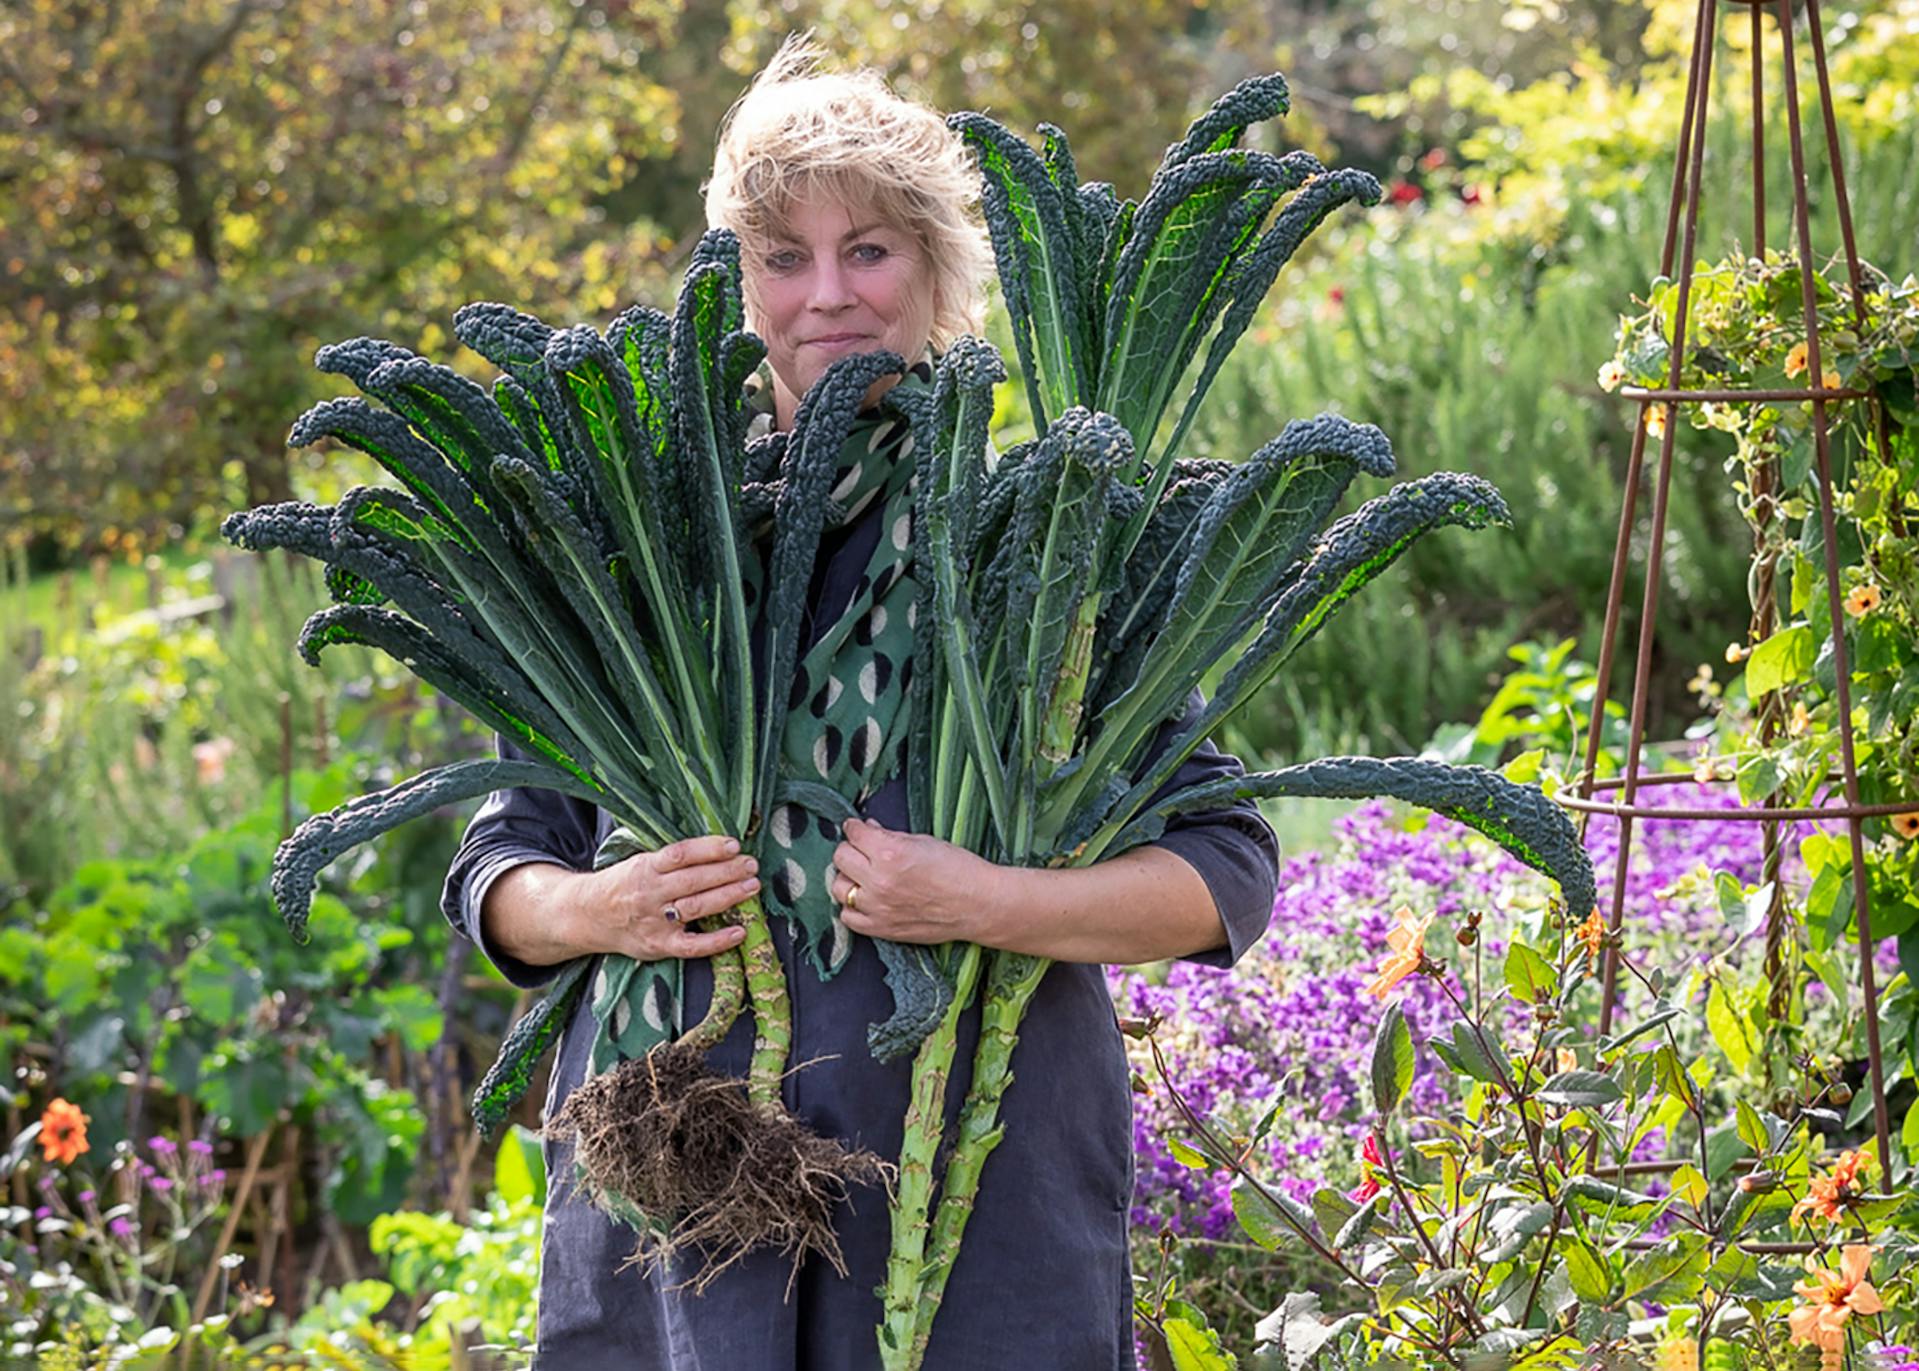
(1141, 906)
(527, 914)
(646, 906)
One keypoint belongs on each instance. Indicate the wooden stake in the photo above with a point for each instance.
(256, 1149)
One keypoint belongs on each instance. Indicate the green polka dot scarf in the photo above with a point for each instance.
(846, 729)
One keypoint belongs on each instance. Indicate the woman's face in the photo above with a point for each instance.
(836, 282)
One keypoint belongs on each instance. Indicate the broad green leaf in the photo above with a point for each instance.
(1472, 1052)
(1528, 975)
(1332, 1208)
(1587, 1270)
(1673, 1078)
(1187, 1155)
(1670, 1273)
(1689, 1185)
(1196, 1347)
(1580, 1090)
(519, 1169)
(1255, 1210)
(1730, 1028)
(1356, 1227)
(1393, 1059)
(1596, 1196)
(1514, 1220)
(1829, 906)
(1724, 1146)
(1783, 659)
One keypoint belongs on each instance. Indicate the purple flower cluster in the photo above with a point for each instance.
(1292, 1025)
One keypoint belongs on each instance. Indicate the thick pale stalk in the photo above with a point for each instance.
(772, 1012)
(913, 1195)
(1061, 728)
(1009, 990)
(729, 997)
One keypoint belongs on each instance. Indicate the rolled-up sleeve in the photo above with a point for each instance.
(512, 828)
(1233, 848)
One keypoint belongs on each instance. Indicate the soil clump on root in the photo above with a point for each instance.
(714, 1173)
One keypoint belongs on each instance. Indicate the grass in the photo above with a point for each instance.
(110, 588)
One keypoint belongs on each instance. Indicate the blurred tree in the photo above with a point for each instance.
(196, 193)
(1122, 79)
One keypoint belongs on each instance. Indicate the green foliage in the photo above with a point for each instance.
(1776, 728)
(1055, 651)
(151, 977)
(1504, 1222)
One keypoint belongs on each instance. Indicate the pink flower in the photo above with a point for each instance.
(210, 760)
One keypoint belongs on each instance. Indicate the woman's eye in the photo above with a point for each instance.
(870, 253)
(782, 261)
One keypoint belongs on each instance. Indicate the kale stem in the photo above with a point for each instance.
(919, 1148)
(772, 1012)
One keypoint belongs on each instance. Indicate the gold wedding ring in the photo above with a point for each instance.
(853, 899)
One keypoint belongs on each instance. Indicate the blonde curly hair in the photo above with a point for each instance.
(799, 134)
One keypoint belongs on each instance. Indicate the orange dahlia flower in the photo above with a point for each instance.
(1826, 1196)
(1832, 1297)
(1591, 935)
(1408, 943)
(63, 1132)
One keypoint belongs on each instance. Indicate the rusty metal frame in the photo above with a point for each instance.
(1682, 226)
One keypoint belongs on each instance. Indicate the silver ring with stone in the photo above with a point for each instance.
(671, 914)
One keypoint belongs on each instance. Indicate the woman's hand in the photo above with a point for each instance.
(641, 907)
(912, 888)
(1140, 906)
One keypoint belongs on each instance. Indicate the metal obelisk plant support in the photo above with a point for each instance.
(1682, 225)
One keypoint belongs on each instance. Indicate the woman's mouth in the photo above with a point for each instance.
(838, 341)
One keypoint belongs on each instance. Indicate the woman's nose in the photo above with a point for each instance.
(830, 288)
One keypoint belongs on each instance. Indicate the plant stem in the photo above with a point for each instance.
(729, 997)
(772, 1012)
(1010, 984)
(913, 1198)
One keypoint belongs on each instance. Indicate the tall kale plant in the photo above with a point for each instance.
(565, 560)
(1079, 589)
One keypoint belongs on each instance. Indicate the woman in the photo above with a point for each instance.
(851, 208)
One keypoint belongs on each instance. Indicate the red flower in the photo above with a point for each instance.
(1370, 1162)
(1433, 160)
(1472, 195)
(1404, 193)
(1337, 295)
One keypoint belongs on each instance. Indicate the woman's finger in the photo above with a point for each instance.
(854, 864)
(677, 886)
(863, 834)
(685, 943)
(714, 847)
(716, 900)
